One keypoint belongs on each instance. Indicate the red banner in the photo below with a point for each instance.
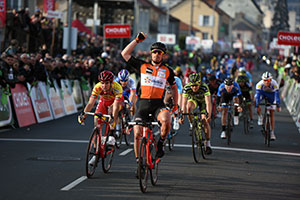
(49, 5)
(23, 106)
(286, 38)
(2, 13)
(117, 31)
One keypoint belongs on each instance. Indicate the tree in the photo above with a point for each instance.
(280, 19)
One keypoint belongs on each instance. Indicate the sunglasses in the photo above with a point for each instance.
(123, 81)
(194, 85)
(156, 51)
(267, 80)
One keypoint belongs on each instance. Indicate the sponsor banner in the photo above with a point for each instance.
(77, 94)
(192, 42)
(54, 14)
(40, 101)
(5, 109)
(56, 103)
(22, 105)
(287, 38)
(49, 5)
(167, 38)
(68, 100)
(2, 13)
(117, 31)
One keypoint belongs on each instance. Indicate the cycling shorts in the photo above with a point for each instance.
(247, 96)
(226, 98)
(103, 106)
(202, 105)
(149, 106)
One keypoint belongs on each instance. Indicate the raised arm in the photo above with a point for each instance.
(126, 53)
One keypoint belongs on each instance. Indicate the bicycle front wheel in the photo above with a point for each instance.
(107, 159)
(268, 132)
(154, 170)
(92, 153)
(197, 146)
(128, 135)
(246, 121)
(143, 170)
(229, 127)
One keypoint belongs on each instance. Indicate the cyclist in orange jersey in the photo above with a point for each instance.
(154, 76)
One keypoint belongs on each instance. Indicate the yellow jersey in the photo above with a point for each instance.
(114, 94)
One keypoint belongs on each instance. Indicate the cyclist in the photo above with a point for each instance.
(244, 72)
(213, 86)
(247, 93)
(168, 99)
(110, 93)
(222, 74)
(229, 90)
(196, 93)
(268, 88)
(129, 88)
(154, 76)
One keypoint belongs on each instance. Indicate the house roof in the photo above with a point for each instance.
(186, 27)
(254, 3)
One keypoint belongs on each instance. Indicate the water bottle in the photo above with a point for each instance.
(176, 124)
(10, 74)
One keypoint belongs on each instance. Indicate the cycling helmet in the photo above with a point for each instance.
(123, 75)
(160, 46)
(212, 78)
(106, 76)
(242, 71)
(209, 71)
(266, 76)
(228, 81)
(195, 78)
(242, 79)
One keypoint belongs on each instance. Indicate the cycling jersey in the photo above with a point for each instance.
(179, 84)
(153, 79)
(246, 87)
(227, 96)
(130, 86)
(222, 76)
(214, 90)
(199, 95)
(114, 94)
(270, 92)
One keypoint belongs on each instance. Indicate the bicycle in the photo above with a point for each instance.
(147, 156)
(124, 116)
(198, 137)
(229, 123)
(266, 126)
(245, 115)
(99, 147)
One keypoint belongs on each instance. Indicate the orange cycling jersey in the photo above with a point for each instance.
(114, 93)
(153, 79)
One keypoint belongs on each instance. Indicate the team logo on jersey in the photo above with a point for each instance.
(147, 80)
(161, 74)
(149, 71)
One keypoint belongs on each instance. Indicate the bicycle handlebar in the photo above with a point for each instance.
(99, 115)
(143, 123)
(230, 104)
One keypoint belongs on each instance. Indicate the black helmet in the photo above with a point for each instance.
(242, 79)
(228, 81)
(195, 78)
(160, 46)
(212, 78)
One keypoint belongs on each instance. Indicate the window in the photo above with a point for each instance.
(205, 20)
(205, 36)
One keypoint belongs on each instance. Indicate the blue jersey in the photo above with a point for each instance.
(270, 92)
(130, 86)
(236, 90)
(179, 84)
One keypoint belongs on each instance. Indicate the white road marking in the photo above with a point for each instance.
(74, 183)
(125, 152)
(176, 145)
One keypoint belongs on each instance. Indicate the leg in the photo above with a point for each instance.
(164, 118)
(137, 139)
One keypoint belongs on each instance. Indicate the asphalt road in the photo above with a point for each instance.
(46, 161)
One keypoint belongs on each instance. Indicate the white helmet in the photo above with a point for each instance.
(266, 76)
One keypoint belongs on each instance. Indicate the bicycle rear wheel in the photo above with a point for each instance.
(128, 134)
(109, 151)
(197, 146)
(213, 113)
(92, 153)
(143, 170)
(171, 140)
(268, 132)
(228, 129)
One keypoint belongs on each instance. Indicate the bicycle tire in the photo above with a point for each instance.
(228, 128)
(212, 120)
(246, 121)
(268, 131)
(171, 140)
(143, 170)
(109, 151)
(128, 134)
(196, 144)
(154, 170)
(92, 151)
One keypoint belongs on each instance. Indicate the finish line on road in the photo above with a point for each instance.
(176, 145)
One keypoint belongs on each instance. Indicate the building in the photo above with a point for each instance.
(213, 23)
